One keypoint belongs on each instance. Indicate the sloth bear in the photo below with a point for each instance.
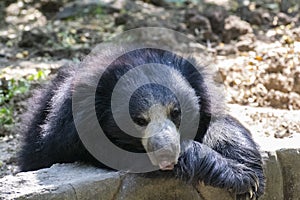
(168, 98)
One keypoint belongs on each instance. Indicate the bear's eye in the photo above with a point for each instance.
(175, 114)
(141, 121)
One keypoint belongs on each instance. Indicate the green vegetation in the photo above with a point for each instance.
(11, 88)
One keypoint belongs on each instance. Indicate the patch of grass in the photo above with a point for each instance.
(98, 10)
(5, 116)
(10, 88)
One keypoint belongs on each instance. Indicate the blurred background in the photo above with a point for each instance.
(255, 45)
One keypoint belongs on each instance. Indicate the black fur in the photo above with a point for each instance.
(222, 154)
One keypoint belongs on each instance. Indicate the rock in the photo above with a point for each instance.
(50, 8)
(283, 19)
(235, 27)
(257, 17)
(285, 5)
(198, 22)
(74, 8)
(226, 49)
(296, 85)
(277, 99)
(211, 193)
(147, 15)
(78, 181)
(216, 15)
(276, 66)
(34, 38)
(290, 164)
(266, 18)
(296, 32)
(61, 181)
(2, 15)
(212, 37)
(273, 173)
(161, 3)
(294, 100)
(282, 133)
(200, 26)
(190, 12)
(245, 45)
(122, 19)
(135, 187)
(278, 82)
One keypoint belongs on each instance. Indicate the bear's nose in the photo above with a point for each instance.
(166, 159)
(166, 165)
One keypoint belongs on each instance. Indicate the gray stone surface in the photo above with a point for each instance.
(274, 182)
(290, 165)
(78, 181)
(61, 181)
(211, 193)
(142, 188)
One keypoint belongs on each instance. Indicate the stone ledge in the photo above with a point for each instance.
(61, 181)
(78, 181)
